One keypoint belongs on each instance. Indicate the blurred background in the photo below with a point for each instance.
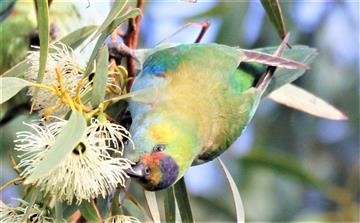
(289, 166)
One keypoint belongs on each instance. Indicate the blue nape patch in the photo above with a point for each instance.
(164, 60)
(154, 69)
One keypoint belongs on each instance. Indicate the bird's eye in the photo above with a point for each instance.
(159, 148)
(147, 170)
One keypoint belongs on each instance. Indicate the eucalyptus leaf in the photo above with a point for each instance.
(101, 74)
(90, 212)
(6, 8)
(18, 70)
(152, 205)
(273, 10)
(182, 199)
(116, 9)
(284, 164)
(169, 205)
(75, 38)
(240, 213)
(302, 54)
(112, 26)
(298, 98)
(10, 86)
(33, 197)
(58, 212)
(43, 24)
(103, 205)
(69, 210)
(65, 142)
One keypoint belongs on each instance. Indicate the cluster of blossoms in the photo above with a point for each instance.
(122, 219)
(95, 166)
(23, 213)
(61, 59)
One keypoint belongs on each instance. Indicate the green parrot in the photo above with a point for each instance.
(205, 96)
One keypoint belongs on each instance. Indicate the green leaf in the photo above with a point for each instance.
(75, 38)
(169, 205)
(240, 213)
(284, 164)
(116, 9)
(43, 24)
(18, 70)
(101, 74)
(152, 205)
(65, 142)
(298, 98)
(33, 197)
(69, 210)
(302, 54)
(10, 86)
(273, 10)
(117, 22)
(183, 201)
(90, 212)
(58, 212)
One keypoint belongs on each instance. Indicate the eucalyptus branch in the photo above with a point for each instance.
(131, 38)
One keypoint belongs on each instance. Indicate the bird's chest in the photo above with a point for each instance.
(208, 102)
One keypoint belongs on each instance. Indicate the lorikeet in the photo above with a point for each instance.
(206, 94)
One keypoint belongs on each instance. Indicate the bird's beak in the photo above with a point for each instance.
(136, 170)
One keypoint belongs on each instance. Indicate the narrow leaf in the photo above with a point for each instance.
(43, 24)
(240, 213)
(284, 164)
(18, 70)
(58, 212)
(169, 205)
(75, 38)
(101, 74)
(33, 197)
(69, 210)
(116, 9)
(10, 86)
(182, 199)
(117, 22)
(273, 10)
(90, 212)
(272, 60)
(298, 98)
(65, 142)
(152, 205)
(302, 54)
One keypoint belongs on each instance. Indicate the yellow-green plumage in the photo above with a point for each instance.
(202, 105)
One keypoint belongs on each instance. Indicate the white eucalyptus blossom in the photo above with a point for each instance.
(60, 58)
(95, 167)
(122, 219)
(9, 214)
(112, 133)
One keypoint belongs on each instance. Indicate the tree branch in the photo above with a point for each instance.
(131, 38)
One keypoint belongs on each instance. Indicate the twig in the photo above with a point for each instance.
(204, 27)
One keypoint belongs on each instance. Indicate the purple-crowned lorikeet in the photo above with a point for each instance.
(206, 94)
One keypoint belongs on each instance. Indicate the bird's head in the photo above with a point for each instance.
(164, 150)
